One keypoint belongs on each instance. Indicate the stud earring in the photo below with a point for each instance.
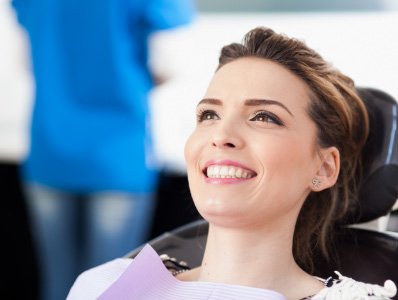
(316, 182)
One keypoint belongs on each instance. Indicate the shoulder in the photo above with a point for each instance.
(344, 288)
(167, 14)
(93, 282)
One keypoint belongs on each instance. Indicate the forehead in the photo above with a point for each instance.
(251, 77)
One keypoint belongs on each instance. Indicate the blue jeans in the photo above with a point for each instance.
(74, 232)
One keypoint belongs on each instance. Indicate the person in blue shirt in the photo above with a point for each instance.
(90, 171)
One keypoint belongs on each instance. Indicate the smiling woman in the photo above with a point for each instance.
(272, 164)
(253, 123)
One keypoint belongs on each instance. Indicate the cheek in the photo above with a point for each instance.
(192, 150)
(189, 149)
(286, 163)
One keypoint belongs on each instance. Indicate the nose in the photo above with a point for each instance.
(226, 137)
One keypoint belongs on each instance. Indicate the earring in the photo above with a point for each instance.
(316, 182)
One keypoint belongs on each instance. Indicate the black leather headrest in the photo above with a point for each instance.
(379, 189)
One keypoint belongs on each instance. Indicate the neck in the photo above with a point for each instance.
(239, 256)
(233, 255)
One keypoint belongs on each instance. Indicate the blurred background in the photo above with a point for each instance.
(358, 36)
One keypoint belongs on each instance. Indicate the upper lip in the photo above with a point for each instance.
(226, 162)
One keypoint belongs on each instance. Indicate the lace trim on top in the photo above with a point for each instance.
(174, 266)
(347, 288)
(341, 287)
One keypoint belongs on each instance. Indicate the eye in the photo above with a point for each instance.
(206, 115)
(267, 117)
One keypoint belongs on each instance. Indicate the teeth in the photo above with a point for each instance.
(224, 171)
(228, 172)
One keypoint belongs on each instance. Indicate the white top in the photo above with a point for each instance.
(154, 281)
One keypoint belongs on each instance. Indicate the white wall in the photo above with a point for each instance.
(362, 45)
(15, 87)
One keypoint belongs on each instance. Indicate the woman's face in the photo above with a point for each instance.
(253, 153)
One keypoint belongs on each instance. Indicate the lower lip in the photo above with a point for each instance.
(225, 180)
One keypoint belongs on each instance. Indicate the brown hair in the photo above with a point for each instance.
(341, 119)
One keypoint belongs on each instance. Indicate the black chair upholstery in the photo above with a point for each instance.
(186, 243)
(379, 189)
(365, 255)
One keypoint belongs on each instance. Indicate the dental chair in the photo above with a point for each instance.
(366, 255)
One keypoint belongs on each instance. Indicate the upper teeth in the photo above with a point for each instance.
(216, 171)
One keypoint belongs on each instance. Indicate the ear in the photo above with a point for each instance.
(328, 171)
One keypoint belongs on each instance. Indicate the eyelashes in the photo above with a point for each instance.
(206, 115)
(267, 117)
(262, 116)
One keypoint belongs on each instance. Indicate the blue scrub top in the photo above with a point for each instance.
(90, 119)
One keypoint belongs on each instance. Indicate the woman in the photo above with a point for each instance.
(272, 165)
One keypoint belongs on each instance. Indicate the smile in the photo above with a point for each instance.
(228, 171)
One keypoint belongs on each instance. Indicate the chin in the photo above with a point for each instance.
(220, 212)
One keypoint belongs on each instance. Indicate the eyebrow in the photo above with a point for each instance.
(210, 101)
(248, 102)
(257, 102)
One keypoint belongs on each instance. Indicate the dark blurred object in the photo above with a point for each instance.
(379, 190)
(393, 222)
(185, 243)
(20, 278)
(364, 255)
(174, 204)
